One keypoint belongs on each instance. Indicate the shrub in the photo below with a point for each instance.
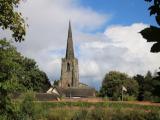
(129, 98)
(81, 115)
(28, 109)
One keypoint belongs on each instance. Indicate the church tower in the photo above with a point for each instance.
(69, 70)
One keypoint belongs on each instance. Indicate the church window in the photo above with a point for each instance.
(68, 67)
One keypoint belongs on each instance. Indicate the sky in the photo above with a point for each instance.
(105, 35)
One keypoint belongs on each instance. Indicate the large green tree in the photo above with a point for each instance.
(113, 82)
(24, 70)
(8, 76)
(17, 73)
(31, 77)
(11, 19)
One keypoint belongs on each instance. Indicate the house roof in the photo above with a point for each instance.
(80, 92)
(76, 92)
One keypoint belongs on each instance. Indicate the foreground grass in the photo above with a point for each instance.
(101, 114)
(113, 105)
(94, 111)
(99, 111)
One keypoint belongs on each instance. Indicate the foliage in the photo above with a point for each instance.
(152, 33)
(112, 85)
(138, 87)
(126, 97)
(156, 85)
(29, 110)
(60, 114)
(8, 76)
(140, 80)
(17, 73)
(32, 78)
(21, 70)
(56, 82)
(28, 107)
(148, 86)
(11, 19)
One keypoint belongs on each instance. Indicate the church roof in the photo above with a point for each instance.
(80, 92)
(76, 92)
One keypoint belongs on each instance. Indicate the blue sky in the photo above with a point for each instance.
(124, 12)
(105, 35)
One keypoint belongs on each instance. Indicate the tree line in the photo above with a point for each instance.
(139, 87)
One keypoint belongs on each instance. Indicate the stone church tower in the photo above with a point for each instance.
(69, 70)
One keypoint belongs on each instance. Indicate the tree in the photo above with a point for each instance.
(112, 85)
(140, 80)
(17, 73)
(56, 82)
(31, 78)
(156, 85)
(152, 33)
(148, 86)
(11, 19)
(8, 76)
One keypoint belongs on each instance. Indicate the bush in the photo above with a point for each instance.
(28, 109)
(60, 114)
(153, 115)
(129, 98)
(81, 115)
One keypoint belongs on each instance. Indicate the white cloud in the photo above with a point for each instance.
(89, 68)
(122, 49)
(117, 48)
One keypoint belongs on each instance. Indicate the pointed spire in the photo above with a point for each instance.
(69, 50)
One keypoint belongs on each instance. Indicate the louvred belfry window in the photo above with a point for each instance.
(68, 67)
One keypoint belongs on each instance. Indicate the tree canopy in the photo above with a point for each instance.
(21, 70)
(11, 19)
(17, 74)
(152, 33)
(113, 82)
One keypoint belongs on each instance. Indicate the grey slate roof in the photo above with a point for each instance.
(76, 92)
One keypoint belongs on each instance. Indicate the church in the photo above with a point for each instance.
(69, 84)
(69, 70)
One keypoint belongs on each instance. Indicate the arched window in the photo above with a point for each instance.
(68, 67)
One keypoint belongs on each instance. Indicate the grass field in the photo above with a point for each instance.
(108, 104)
(100, 110)
(88, 109)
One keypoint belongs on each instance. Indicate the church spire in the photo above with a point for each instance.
(69, 50)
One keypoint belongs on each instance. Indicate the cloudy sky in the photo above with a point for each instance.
(105, 34)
